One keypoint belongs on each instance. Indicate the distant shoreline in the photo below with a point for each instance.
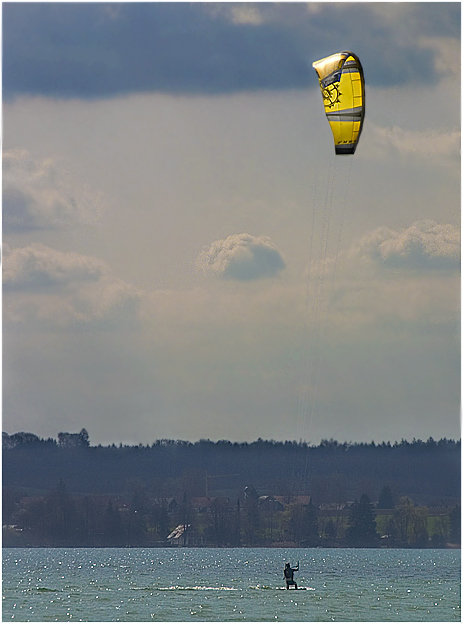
(446, 547)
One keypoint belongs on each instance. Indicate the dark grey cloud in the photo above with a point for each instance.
(91, 50)
(241, 257)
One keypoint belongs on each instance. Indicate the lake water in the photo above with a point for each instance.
(167, 585)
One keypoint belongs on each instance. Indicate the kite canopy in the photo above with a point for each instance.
(343, 90)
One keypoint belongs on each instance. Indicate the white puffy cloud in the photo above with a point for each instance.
(424, 245)
(241, 257)
(407, 280)
(44, 285)
(42, 194)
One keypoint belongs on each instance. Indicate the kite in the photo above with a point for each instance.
(343, 89)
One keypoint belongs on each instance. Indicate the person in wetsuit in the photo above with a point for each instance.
(289, 575)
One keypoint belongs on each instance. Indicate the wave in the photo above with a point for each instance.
(172, 588)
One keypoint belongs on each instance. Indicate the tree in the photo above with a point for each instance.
(362, 524)
(251, 520)
(411, 522)
(60, 515)
(455, 525)
(329, 530)
(311, 524)
(386, 500)
(159, 519)
(10, 503)
(83, 437)
(114, 534)
(71, 440)
(390, 530)
(420, 527)
(441, 531)
(303, 523)
(221, 521)
(296, 518)
(236, 537)
(404, 518)
(89, 521)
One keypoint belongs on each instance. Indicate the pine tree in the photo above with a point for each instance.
(112, 526)
(362, 523)
(386, 500)
(251, 519)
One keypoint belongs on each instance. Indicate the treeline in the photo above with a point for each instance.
(331, 472)
(137, 518)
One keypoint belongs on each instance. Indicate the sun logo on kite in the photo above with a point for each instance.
(331, 95)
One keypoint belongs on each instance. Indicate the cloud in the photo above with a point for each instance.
(38, 267)
(397, 283)
(424, 245)
(238, 13)
(48, 286)
(447, 55)
(241, 257)
(91, 50)
(423, 144)
(42, 194)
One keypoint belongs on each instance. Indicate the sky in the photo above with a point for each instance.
(185, 257)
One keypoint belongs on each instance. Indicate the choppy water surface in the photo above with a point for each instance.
(115, 584)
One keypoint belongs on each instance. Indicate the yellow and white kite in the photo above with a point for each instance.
(343, 89)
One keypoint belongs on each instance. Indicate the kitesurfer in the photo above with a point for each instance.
(289, 575)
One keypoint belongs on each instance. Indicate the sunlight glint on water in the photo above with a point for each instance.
(109, 585)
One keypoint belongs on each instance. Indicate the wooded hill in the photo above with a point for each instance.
(427, 471)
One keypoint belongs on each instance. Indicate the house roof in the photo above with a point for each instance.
(178, 531)
(287, 500)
